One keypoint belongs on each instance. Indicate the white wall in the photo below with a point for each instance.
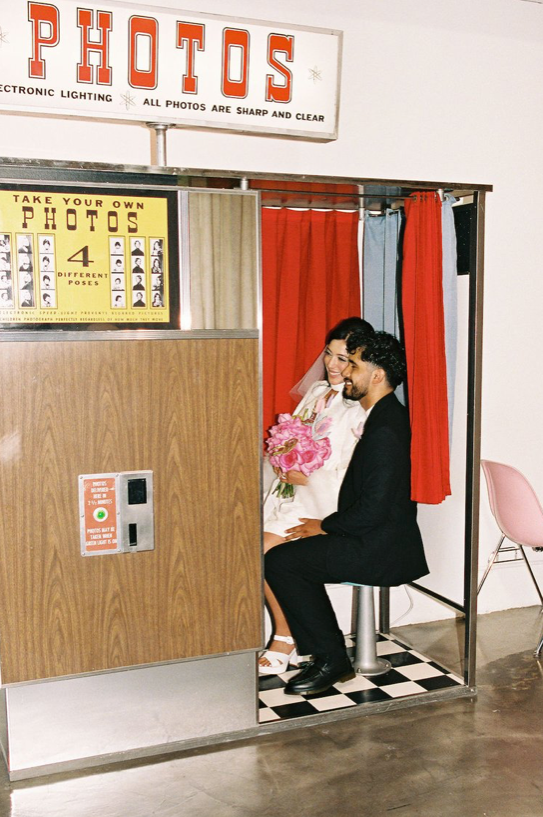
(447, 90)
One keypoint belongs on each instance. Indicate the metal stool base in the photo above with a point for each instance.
(366, 661)
(380, 667)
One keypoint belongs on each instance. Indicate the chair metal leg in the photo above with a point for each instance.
(539, 647)
(492, 558)
(366, 661)
(530, 571)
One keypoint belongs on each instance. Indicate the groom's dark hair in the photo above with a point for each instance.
(383, 350)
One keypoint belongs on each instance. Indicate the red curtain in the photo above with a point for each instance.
(310, 282)
(424, 334)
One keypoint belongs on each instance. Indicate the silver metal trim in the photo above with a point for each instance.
(4, 730)
(259, 319)
(226, 174)
(115, 713)
(184, 261)
(129, 668)
(14, 335)
(142, 515)
(217, 191)
(362, 710)
(473, 443)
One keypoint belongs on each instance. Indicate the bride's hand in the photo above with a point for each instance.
(296, 478)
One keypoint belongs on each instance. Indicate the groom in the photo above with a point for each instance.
(373, 538)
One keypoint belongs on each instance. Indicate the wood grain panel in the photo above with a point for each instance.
(186, 409)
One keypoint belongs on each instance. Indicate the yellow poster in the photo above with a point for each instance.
(83, 257)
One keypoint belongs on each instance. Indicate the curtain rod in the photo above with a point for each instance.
(314, 208)
(339, 195)
(440, 191)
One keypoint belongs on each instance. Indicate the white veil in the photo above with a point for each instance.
(315, 372)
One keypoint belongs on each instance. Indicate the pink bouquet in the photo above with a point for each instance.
(295, 444)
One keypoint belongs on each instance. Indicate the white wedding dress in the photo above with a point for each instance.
(318, 498)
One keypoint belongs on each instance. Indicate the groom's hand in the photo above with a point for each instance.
(309, 527)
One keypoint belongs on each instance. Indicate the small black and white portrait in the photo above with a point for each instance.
(137, 248)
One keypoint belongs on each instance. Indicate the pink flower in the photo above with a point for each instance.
(321, 426)
(293, 444)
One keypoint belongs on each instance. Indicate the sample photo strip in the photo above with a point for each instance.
(157, 251)
(24, 245)
(157, 272)
(26, 282)
(138, 282)
(24, 264)
(116, 245)
(6, 279)
(6, 285)
(138, 269)
(46, 261)
(49, 300)
(138, 299)
(46, 245)
(47, 281)
(137, 247)
(117, 283)
(47, 265)
(118, 300)
(5, 253)
(138, 265)
(6, 299)
(116, 265)
(117, 269)
(26, 299)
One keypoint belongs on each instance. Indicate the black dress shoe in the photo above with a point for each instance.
(320, 675)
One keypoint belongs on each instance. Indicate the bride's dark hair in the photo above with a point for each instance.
(343, 329)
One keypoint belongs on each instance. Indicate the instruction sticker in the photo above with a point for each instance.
(98, 510)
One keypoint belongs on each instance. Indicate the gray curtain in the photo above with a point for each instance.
(223, 268)
(381, 283)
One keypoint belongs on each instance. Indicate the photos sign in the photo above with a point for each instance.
(113, 60)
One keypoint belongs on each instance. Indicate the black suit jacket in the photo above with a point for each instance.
(376, 519)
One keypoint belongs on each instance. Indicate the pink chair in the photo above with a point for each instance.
(518, 513)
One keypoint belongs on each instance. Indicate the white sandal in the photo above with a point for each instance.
(279, 661)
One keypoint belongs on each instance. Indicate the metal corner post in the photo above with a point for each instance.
(473, 447)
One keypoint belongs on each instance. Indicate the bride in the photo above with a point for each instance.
(315, 496)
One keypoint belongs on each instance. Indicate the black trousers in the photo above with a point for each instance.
(297, 572)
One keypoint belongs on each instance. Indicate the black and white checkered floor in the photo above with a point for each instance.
(411, 674)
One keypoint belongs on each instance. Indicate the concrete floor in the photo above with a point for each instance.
(467, 758)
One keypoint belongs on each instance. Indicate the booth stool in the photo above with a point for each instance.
(366, 661)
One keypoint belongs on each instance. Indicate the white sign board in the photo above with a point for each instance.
(113, 60)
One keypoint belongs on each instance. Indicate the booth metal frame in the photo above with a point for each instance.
(70, 173)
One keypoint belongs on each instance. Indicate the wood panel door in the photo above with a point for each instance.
(186, 409)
